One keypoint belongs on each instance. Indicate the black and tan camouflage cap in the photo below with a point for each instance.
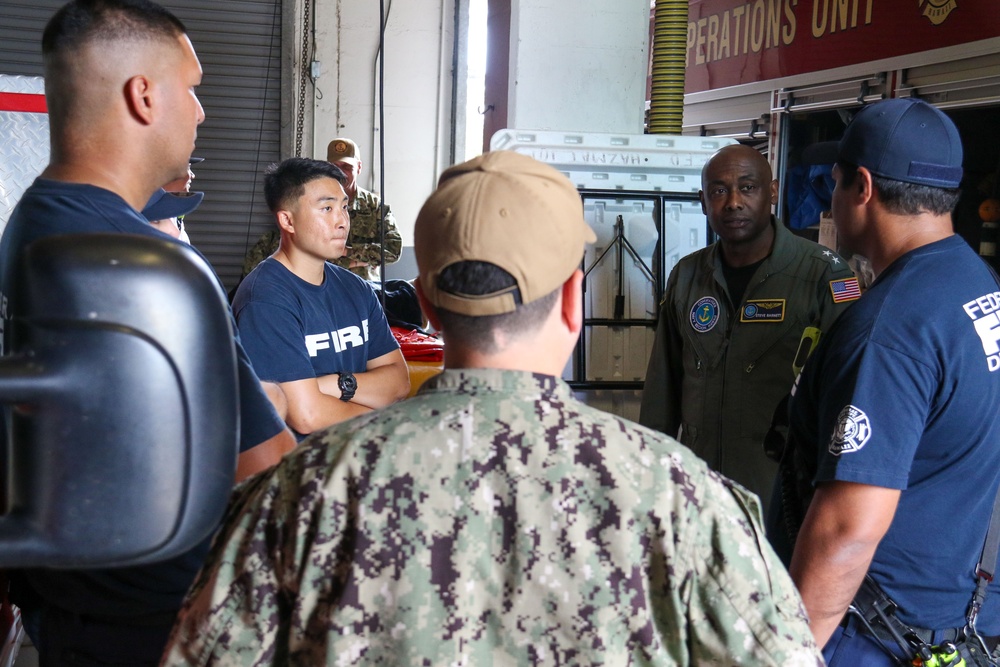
(509, 210)
(342, 149)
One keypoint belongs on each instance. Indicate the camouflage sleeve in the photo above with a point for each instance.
(232, 611)
(365, 246)
(266, 245)
(743, 607)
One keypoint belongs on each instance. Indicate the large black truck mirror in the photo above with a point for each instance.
(123, 409)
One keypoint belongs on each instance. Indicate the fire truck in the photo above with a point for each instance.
(782, 74)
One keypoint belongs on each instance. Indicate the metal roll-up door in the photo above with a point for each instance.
(239, 45)
(956, 84)
(745, 118)
(21, 24)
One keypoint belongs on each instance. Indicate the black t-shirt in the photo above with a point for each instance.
(737, 279)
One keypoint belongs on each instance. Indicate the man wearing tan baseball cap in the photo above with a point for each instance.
(364, 245)
(494, 518)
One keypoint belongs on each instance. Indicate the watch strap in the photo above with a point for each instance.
(348, 385)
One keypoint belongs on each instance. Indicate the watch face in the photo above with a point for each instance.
(348, 382)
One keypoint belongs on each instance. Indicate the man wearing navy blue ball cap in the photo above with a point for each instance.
(165, 211)
(894, 442)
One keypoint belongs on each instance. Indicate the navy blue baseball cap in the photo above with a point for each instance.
(903, 139)
(163, 204)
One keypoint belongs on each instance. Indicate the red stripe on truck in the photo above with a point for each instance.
(29, 102)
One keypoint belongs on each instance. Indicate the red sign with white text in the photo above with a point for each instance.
(730, 42)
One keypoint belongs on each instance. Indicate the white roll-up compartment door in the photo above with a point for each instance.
(962, 83)
(744, 118)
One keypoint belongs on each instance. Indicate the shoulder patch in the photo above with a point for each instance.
(704, 314)
(852, 431)
(831, 257)
(845, 289)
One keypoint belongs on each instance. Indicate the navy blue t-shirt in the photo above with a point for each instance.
(903, 393)
(49, 208)
(295, 330)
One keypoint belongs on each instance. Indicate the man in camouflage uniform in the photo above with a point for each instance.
(363, 255)
(493, 518)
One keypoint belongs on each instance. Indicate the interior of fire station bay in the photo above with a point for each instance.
(628, 98)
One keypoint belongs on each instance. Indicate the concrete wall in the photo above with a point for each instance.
(577, 65)
(417, 125)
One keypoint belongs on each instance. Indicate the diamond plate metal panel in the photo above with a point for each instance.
(24, 144)
(22, 84)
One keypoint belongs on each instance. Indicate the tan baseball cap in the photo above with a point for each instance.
(506, 209)
(343, 150)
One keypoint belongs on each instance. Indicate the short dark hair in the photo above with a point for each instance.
(110, 23)
(478, 278)
(82, 21)
(286, 180)
(903, 198)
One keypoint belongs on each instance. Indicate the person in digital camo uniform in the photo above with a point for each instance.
(364, 249)
(493, 518)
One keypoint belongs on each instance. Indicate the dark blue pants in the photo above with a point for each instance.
(67, 639)
(850, 648)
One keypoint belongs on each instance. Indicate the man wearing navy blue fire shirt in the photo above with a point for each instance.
(313, 328)
(894, 427)
(120, 79)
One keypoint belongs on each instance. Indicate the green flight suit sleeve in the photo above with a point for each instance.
(830, 310)
(661, 393)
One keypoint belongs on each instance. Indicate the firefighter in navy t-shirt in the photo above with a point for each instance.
(894, 428)
(316, 329)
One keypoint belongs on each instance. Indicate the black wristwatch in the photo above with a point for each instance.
(348, 384)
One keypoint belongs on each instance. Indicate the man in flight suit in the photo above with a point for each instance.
(732, 320)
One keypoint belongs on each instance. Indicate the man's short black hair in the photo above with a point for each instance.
(286, 180)
(82, 21)
(479, 332)
(905, 198)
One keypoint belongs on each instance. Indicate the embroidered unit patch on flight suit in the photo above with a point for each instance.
(704, 314)
(763, 310)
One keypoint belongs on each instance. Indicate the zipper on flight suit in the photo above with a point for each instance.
(734, 319)
(753, 363)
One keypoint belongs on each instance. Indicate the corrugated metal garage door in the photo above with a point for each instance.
(239, 44)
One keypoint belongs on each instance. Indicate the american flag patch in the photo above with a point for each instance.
(845, 290)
